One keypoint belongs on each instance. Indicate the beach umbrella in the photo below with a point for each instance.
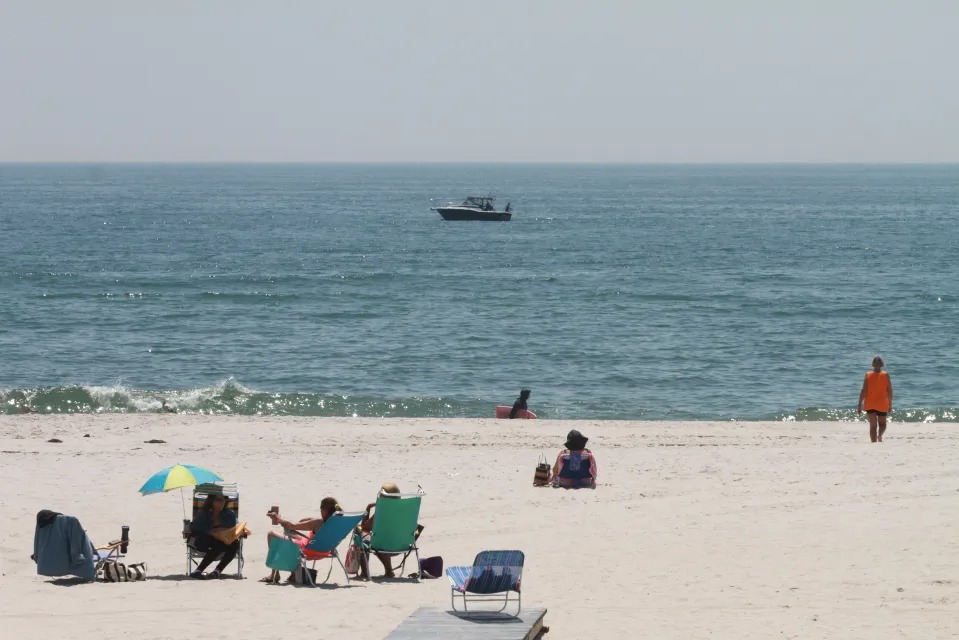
(177, 477)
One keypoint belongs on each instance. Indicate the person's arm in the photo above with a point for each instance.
(303, 525)
(367, 523)
(201, 523)
(559, 464)
(889, 390)
(228, 519)
(514, 410)
(592, 465)
(862, 394)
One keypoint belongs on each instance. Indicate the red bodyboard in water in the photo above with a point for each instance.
(502, 411)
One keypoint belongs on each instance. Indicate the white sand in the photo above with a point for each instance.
(698, 530)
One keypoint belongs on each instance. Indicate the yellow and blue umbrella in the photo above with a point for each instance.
(176, 477)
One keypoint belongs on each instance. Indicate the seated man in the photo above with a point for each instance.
(365, 531)
(575, 465)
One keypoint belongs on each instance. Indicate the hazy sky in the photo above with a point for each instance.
(480, 80)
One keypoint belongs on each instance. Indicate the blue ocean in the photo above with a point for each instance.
(616, 292)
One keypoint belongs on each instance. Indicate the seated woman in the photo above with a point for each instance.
(212, 518)
(366, 532)
(575, 465)
(328, 506)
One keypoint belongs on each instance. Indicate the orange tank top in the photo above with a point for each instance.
(877, 391)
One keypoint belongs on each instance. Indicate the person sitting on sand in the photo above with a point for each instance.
(328, 506)
(519, 407)
(575, 466)
(212, 517)
(876, 398)
(365, 531)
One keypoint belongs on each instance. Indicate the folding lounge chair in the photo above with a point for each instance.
(108, 552)
(200, 493)
(57, 552)
(394, 527)
(322, 546)
(493, 576)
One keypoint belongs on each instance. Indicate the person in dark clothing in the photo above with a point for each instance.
(212, 517)
(520, 404)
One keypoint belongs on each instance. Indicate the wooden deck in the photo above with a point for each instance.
(427, 623)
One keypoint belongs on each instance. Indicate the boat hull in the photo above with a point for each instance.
(462, 213)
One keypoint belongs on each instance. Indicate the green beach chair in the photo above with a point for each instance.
(394, 527)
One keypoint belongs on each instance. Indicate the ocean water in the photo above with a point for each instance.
(628, 291)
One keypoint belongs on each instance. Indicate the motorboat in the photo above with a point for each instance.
(475, 208)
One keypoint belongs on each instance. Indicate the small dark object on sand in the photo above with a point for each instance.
(86, 435)
(54, 440)
(155, 441)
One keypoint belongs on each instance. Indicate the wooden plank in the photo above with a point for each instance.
(428, 623)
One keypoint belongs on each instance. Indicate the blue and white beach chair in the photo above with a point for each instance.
(493, 576)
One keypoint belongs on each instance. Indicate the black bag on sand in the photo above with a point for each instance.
(299, 576)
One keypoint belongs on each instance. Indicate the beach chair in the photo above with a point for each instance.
(493, 576)
(394, 527)
(67, 550)
(110, 552)
(200, 493)
(322, 546)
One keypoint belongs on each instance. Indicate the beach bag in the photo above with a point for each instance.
(541, 475)
(113, 571)
(300, 576)
(431, 567)
(352, 561)
(284, 555)
(137, 572)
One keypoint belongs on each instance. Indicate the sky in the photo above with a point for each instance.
(479, 81)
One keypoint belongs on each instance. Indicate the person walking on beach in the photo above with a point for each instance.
(876, 398)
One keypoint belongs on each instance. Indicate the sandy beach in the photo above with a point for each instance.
(697, 530)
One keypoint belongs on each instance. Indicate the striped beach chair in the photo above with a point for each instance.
(200, 493)
(492, 578)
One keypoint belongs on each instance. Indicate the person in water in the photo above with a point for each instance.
(876, 398)
(509, 207)
(520, 404)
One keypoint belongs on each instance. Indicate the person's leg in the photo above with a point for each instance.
(228, 554)
(882, 425)
(212, 546)
(873, 434)
(274, 575)
(364, 567)
(387, 565)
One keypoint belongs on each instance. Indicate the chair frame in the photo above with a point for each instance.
(113, 555)
(193, 555)
(467, 596)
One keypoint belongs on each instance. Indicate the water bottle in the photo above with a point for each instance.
(124, 538)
